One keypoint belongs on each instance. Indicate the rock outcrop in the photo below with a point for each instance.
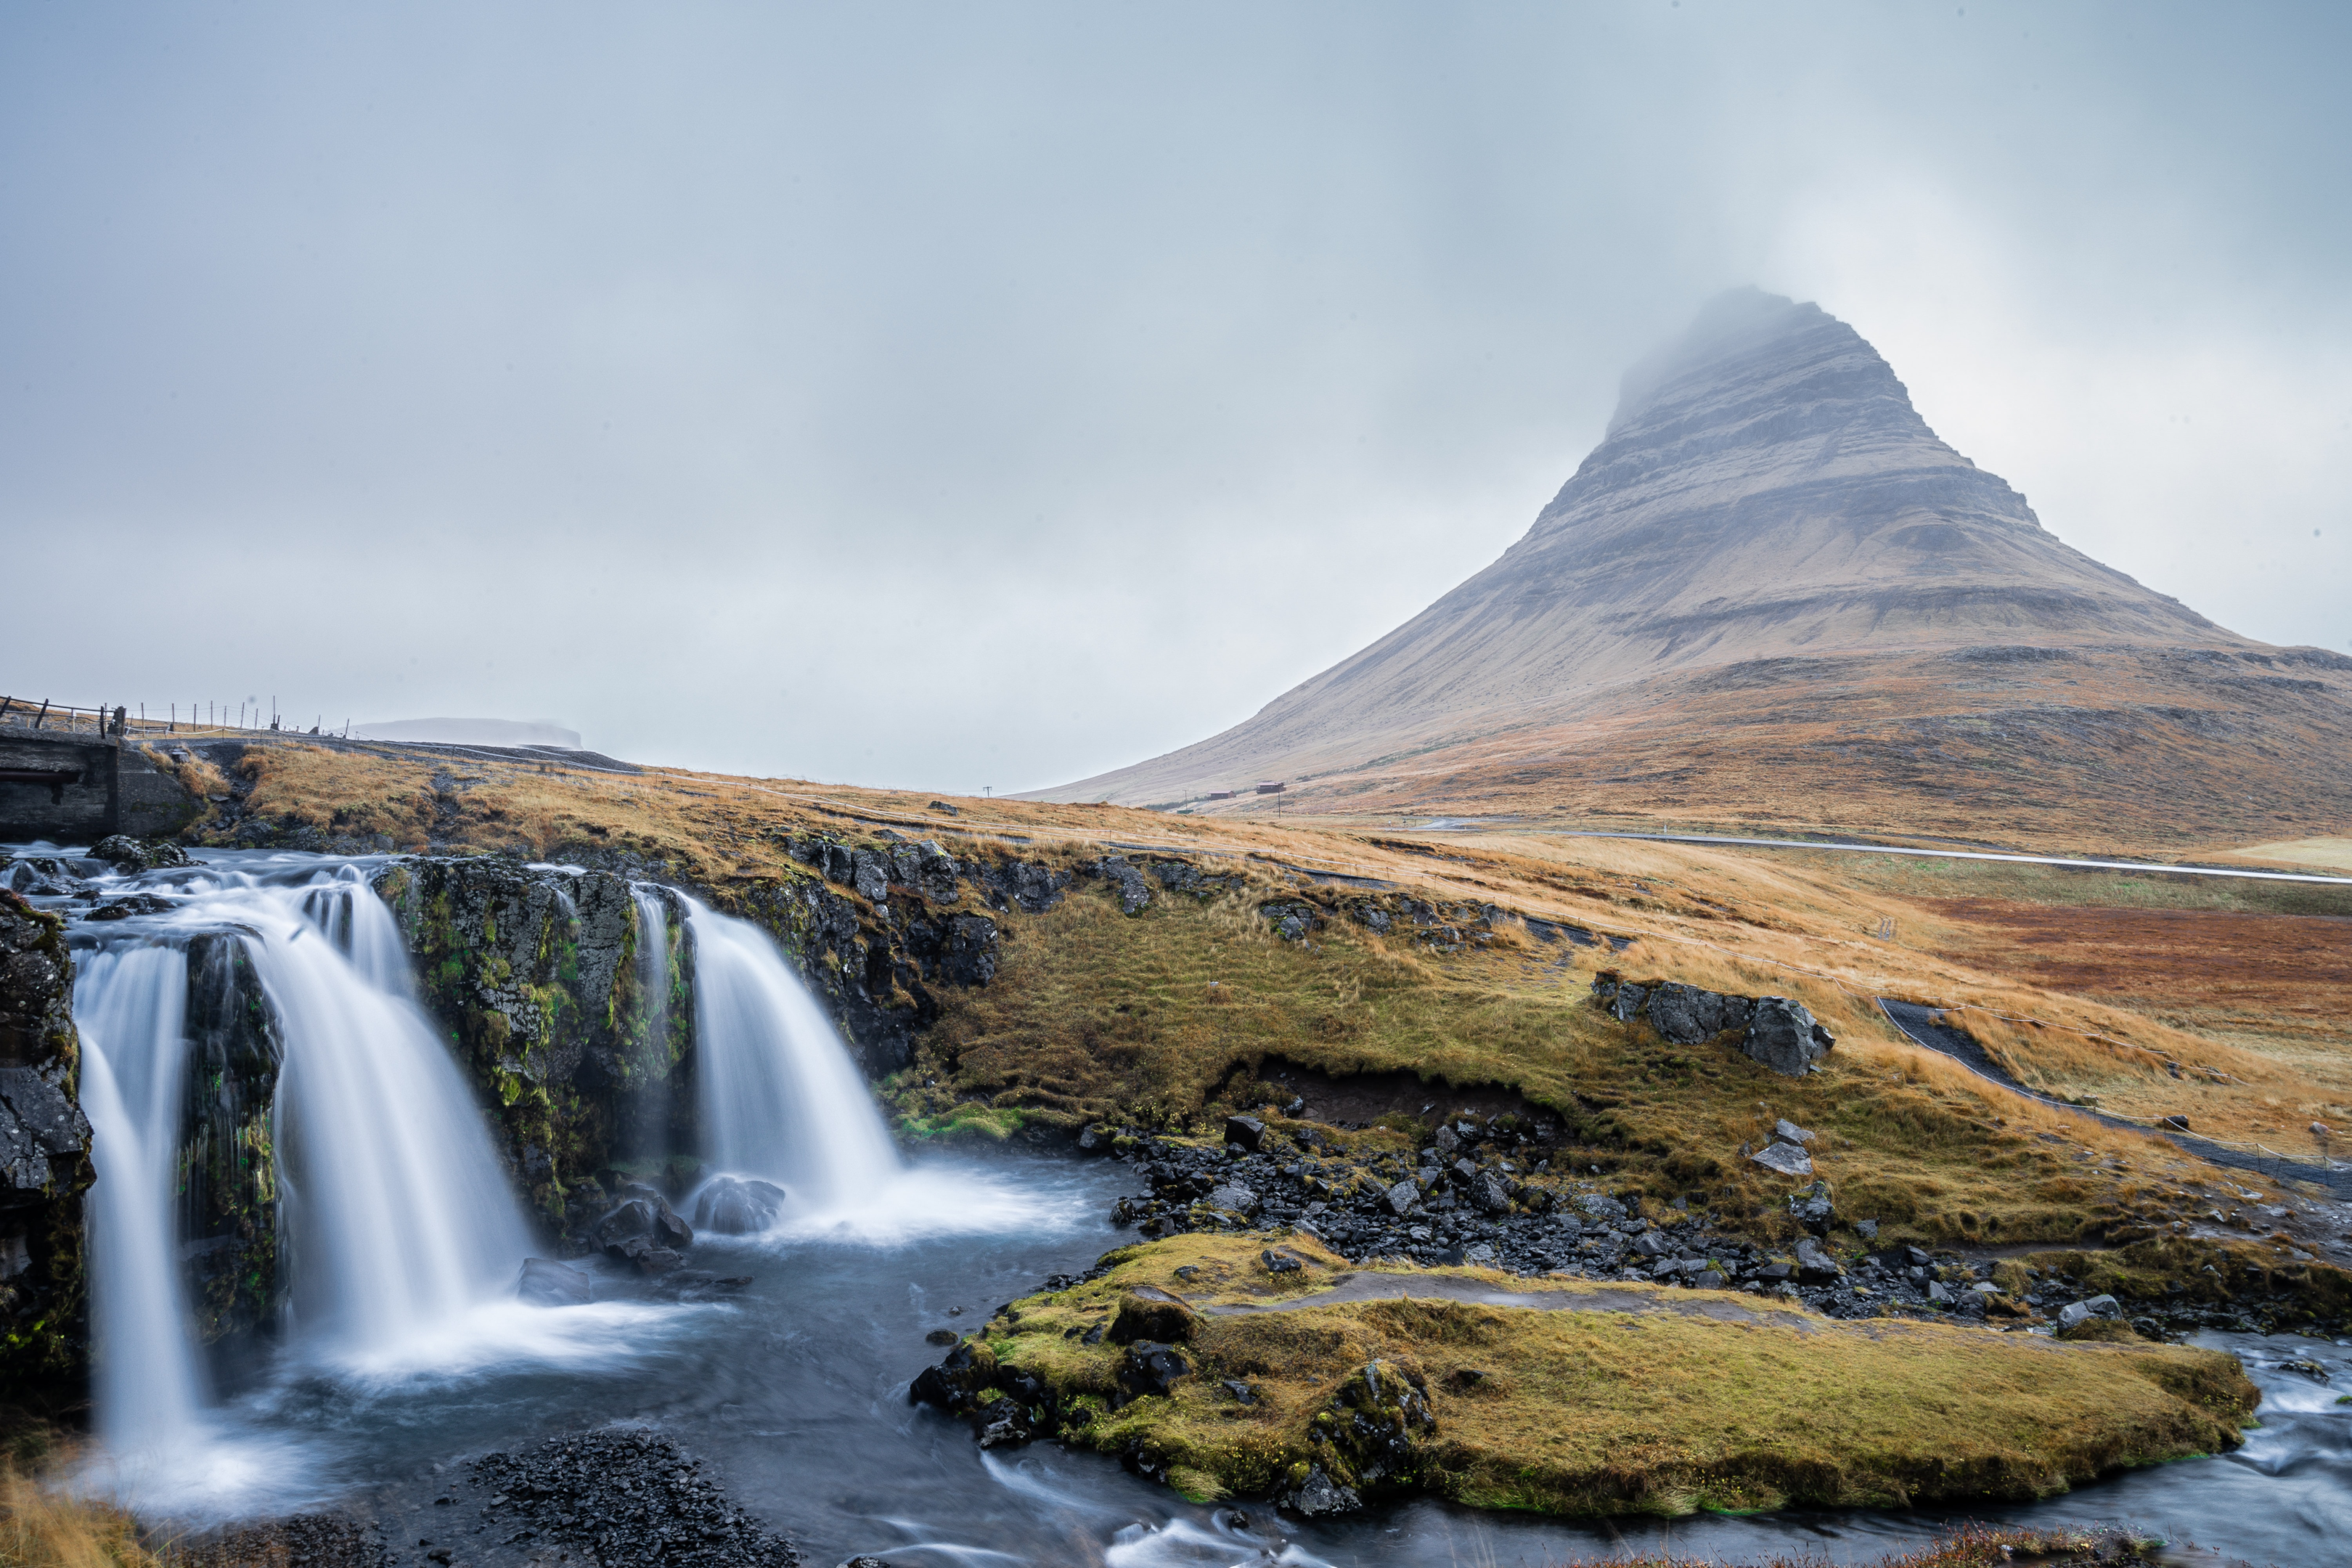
(1781, 1033)
(535, 974)
(228, 1174)
(45, 1166)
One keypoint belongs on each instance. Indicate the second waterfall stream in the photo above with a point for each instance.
(779, 1097)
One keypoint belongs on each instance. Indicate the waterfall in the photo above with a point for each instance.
(394, 1211)
(647, 1125)
(129, 1004)
(780, 1097)
(653, 958)
(400, 1215)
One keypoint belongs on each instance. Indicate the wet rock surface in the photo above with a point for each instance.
(1489, 1198)
(622, 1499)
(45, 1165)
(736, 1205)
(125, 853)
(1773, 1030)
(618, 1497)
(533, 973)
(303, 1540)
(230, 1200)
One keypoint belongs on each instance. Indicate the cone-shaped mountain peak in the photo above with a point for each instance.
(1765, 491)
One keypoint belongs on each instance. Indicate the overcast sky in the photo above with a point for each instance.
(959, 395)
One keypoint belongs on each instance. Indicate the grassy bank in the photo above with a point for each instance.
(1626, 1399)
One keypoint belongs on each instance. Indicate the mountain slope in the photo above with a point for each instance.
(1765, 494)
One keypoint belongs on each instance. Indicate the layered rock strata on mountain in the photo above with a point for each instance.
(45, 1165)
(1768, 537)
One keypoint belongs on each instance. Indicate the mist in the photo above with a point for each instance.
(990, 397)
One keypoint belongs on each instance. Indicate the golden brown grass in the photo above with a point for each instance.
(196, 775)
(40, 1528)
(1094, 1013)
(1603, 1410)
(2107, 752)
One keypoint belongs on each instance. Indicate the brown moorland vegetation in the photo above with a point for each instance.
(1095, 1014)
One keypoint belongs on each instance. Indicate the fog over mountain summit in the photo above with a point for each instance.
(1765, 491)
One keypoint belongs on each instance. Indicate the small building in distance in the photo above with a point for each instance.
(1221, 795)
(1272, 786)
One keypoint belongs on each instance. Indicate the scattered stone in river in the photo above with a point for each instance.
(1316, 1493)
(738, 1205)
(645, 1215)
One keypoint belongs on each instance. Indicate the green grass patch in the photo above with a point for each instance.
(1605, 1411)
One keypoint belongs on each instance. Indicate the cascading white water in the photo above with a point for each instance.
(129, 1004)
(397, 1215)
(401, 1218)
(652, 956)
(780, 1097)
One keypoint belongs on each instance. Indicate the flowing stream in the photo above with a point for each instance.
(781, 1099)
(128, 1004)
(406, 1352)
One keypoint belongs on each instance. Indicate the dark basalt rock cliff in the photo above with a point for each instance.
(535, 974)
(228, 1174)
(44, 1164)
(581, 1050)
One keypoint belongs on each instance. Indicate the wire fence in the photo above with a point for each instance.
(201, 720)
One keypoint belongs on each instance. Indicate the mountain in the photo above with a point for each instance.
(1770, 557)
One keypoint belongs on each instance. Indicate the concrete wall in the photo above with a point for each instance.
(89, 787)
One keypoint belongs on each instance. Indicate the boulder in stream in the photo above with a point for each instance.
(738, 1205)
(643, 1212)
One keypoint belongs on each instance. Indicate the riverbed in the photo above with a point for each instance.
(794, 1388)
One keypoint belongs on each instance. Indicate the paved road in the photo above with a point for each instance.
(1950, 855)
(1919, 1024)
